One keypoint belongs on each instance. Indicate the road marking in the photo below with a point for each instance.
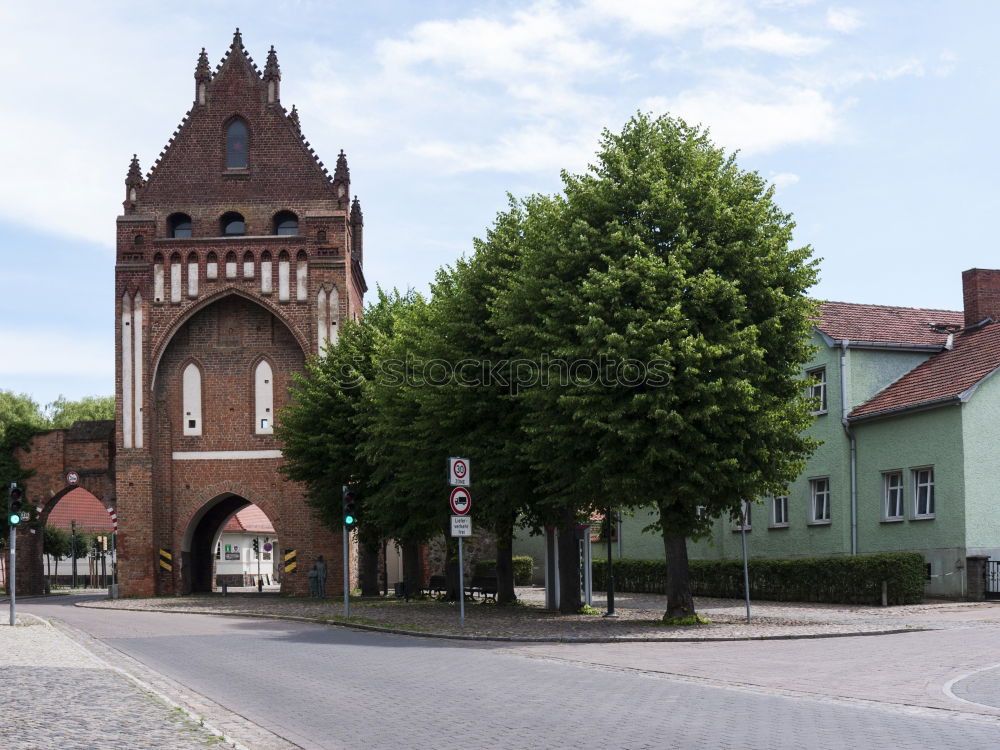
(947, 687)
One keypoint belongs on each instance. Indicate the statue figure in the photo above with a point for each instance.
(313, 576)
(320, 577)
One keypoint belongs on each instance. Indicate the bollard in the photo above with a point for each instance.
(225, 589)
(885, 593)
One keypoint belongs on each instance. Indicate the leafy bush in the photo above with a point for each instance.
(523, 568)
(844, 580)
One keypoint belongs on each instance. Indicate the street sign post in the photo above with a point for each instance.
(460, 501)
(461, 526)
(458, 472)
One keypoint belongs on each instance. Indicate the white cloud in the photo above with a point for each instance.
(784, 179)
(754, 115)
(671, 17)
(769, 39)
(844, 20)
(535, 149)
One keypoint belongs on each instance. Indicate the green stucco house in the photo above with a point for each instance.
(909, 415)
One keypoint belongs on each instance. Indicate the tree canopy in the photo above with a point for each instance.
(636, 341)
(664, 275)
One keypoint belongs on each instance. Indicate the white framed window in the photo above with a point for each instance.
(817, 389)
(191, 400)
(892, 496)
(923, 492)
(779, 511)
(819, 500)
(263, 398)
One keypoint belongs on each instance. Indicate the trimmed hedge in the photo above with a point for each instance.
(523, 567)
(841, 580)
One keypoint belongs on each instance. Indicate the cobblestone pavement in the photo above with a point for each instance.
(56, 695)
(639, 617)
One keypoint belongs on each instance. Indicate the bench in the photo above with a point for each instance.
(436, 585)
(485, 586)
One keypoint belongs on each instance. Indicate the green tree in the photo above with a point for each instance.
(665, 272)
(20, 420)
(55, 544)
(321, 430)
(62, 412)
(457, 404)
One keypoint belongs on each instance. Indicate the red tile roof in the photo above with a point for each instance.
(943, 377)
(80, 506)
(251, 519)
(885, 325)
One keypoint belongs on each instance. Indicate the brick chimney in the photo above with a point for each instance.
(981, 295)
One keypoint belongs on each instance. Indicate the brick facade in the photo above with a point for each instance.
(223, 304)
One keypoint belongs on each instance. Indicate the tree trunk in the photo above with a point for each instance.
(680, 603)
(451, 565)
(505, 561)
(413, 569)
(569, 566)
(368, 568)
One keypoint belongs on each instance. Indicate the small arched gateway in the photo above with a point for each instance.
(62, 460)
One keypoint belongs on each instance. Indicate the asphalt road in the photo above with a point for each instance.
(327, 687)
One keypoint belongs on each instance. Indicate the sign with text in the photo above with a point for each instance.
(461, 526)
(458, 472)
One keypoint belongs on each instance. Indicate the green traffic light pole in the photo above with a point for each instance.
(13, 496)
(347, 577)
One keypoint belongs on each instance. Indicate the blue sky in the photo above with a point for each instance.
(874, 120)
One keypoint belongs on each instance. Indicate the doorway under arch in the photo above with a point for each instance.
(202, 538)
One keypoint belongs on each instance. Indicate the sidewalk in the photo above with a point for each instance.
(102, 708)
(639, 617)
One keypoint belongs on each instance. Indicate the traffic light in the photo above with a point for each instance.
(256, 545)
(350, 507)
(15, 500)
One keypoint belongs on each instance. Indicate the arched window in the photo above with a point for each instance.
(179, 225)
(212, 267)
(232, 224)
(263, 387)
(286, 222)
(248, 265)
(236, 145)
(191, 399)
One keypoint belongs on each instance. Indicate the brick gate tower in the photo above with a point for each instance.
(238, 256)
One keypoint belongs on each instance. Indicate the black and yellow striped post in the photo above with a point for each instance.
(166, 560)
(290, 560)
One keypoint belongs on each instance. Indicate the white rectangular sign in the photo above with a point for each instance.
(458, 472)
(461, 526)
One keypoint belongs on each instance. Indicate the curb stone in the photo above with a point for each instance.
(517, 638)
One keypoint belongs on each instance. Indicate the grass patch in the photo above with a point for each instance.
(685, 622)
(586, 609)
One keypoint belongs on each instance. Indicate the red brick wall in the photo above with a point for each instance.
(981, 295)
(226, 329)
